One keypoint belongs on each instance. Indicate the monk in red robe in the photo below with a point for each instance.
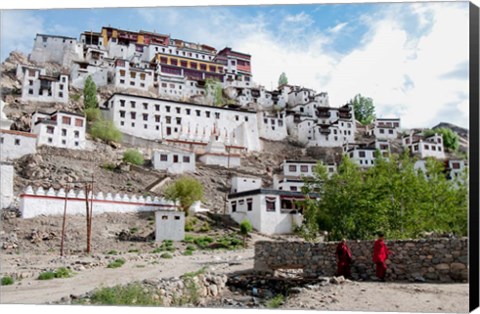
(344, 259)
(380, 255)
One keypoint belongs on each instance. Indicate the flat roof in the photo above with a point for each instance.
(56, 36)
(270, 192)
(181, 102)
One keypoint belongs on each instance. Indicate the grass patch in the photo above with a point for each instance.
(109, 166)
(275, 302)
(61, 272)
(190, 223)
(116, 263)
(134, 251)
(133, 230)
(112, 252)
(189, 239)
(134, 157)
(193, 273)
(203, 242)
(7, 280)
(166, 255)
(191, 247)
(205, 227)
(188, 253)
(131, 294)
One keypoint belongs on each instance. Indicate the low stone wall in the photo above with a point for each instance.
(443, 260)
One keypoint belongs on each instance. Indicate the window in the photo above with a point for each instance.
(175, 158)
(66, 120)
(236, 118)
(186, 159)
(30, 91)
(133, 124)
(1, 140)
(64, 132)
(122, 114)
(157, 118)
(361, 154)
(79, 122)
(198, 112)
(177, 109)
(173, 61)
(168, 119)
(177, 217)
(122, 123)
(390, 131)
(167, 108)
(163, 157)
(249, 204)
(169, 131)
(382, 131)
(183, 63)
(50, 140)
(179, 121)
(50, 129)
(145, 117)
(76, 134)
(217, 115)
(455, 165)
(304, 168)
(434, 148)
(64, 142)
(187, 111)
(164, 217)
(122, 103)
(233, 204)
(293, 188)
(246, 119)
(145, 126)
(17, 141)
(145, 106)
(292, 168)
(280, 123)
(133, 115)
(270, 201)
(426, 147)
(207, 113)
(132, 104)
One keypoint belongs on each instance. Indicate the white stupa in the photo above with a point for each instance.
(4, 122)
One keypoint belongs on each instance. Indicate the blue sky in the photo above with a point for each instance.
(411, 58)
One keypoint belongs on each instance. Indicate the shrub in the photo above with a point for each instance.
(134, 251)
(116, 263)
(63, 272)
(46, 275)
(191, 247)
(245, 229)
(131, 294)
(203, 242)
(158, 250)
(133, 230)
(112, 252)
(194, 273)
(275, 302)
(166, 255)
(93, 114)
(189, 239)
(188, 253)
(109, 166)
(134, 157)
(6, 281)
(106, 131)
(205, 227)
(185, 190)
(76, 97)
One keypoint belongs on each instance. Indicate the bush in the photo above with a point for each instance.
(112, 252)
(188, 253)
(190, 223)
(133, 230)
(245, 229)
(134, 251)
(63, 272)
(106, 131)
(46, 275)
(203, 242)
(205, 227)
(109, 166)
(185, 190)
(166, 255)
(134, 157)
(131, 294)
(191, 247)
(93, 114)
(189, 239)
(116, 263)
(275, 302)
(194, 273)
(158, 250)
(6, 281)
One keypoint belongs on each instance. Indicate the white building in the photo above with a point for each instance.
(364, 155)
(241, 184)
(269, 211)
(6, 185)
(80, 71)
(169, 225)
(57, 49)
(37, 86)
(424, 147)
(16, 144)
(160, 119)
(127, 76)
(59, 129)
(455, 168)
(174, 162)
(294, 172)
(385, 128)
(272, 126)
(217, 153)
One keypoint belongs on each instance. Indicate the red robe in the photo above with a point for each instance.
(344, 258)
(380, 255)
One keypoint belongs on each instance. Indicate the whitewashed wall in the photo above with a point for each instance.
(173, 167)
(15, 144)
(240, 184)
(169, 225)
(6, 181)
(220, 160)
(52, 202)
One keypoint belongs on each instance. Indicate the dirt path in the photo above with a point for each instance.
(32, 291)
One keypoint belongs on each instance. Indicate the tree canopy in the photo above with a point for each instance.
(391, 197)
(363, 108)
(282, 79)
(185, 190)
(90, 94)
(215, 91)
(450, 138)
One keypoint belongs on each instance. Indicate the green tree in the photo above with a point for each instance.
(363, 108)
(245, 229)
(185, 190)
(215, 91)
(90, 94)
(133, 156)
(105, 130)
(450, 138)
(282, 79)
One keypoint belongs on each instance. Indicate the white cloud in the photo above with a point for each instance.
(337, 28)
(18, 30)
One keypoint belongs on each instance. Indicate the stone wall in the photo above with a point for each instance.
(442, 259)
